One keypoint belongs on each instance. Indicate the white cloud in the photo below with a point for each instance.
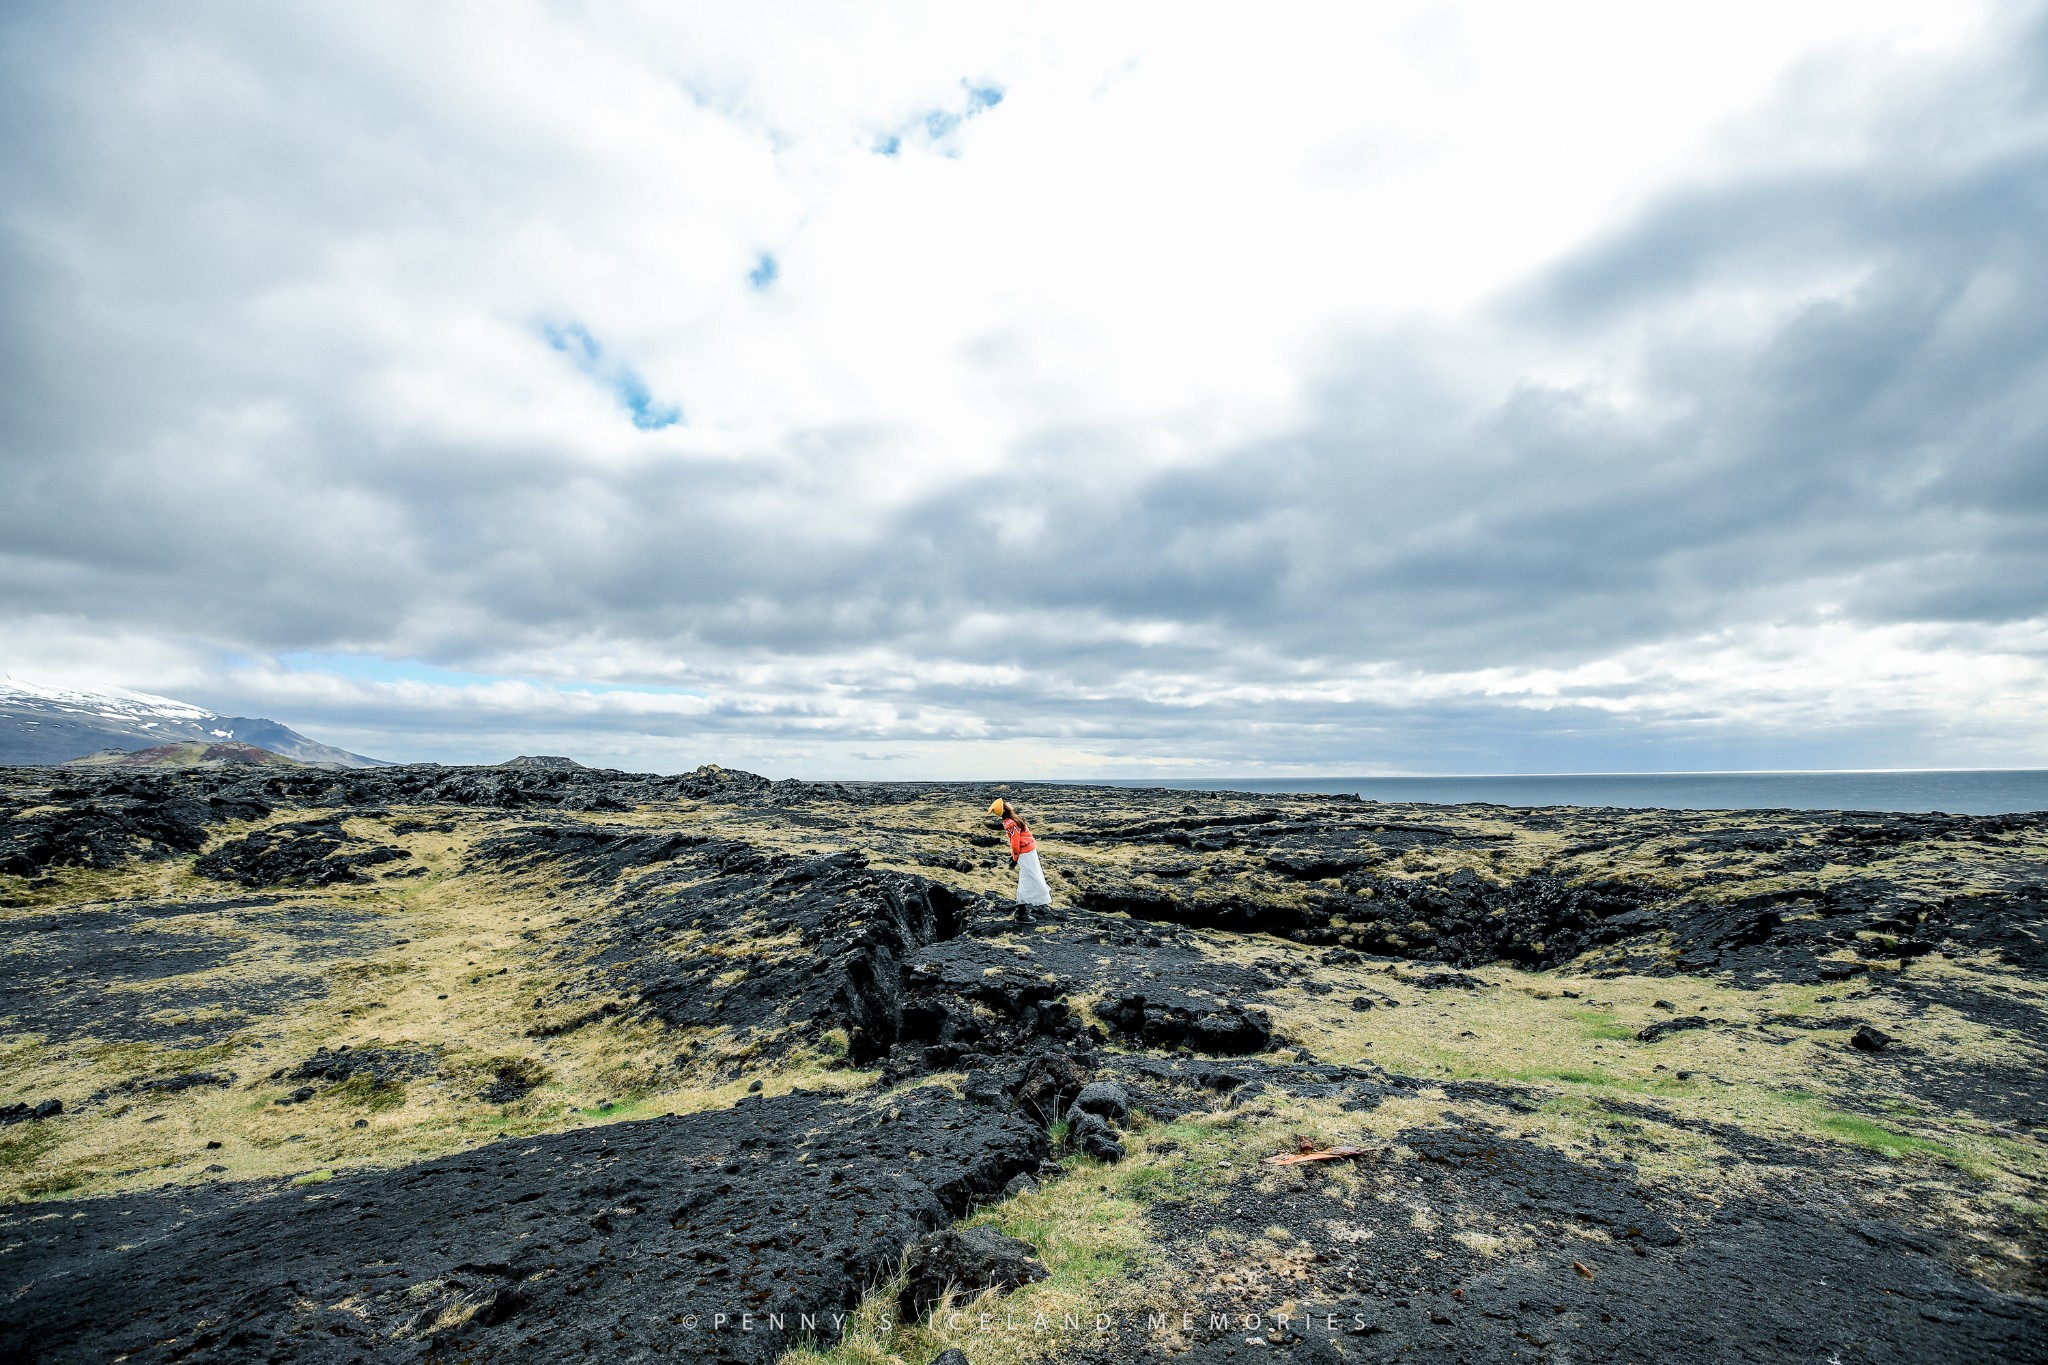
(1248, 373)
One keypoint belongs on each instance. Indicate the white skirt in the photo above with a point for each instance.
(1031, 887)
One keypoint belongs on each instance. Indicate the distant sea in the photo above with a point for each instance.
(1989, 791)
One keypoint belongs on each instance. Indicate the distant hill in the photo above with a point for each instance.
(189, 754)
(56, 725)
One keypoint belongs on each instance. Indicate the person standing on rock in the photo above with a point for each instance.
(1031, 888)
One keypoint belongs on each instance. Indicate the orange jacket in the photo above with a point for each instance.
(1021, 841)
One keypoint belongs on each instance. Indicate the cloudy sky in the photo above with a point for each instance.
(968, 390)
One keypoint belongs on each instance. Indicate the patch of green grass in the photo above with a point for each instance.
(1602, 1026)
(1081, 1231)
(314, 1178)
(1886, 1142)
(22, 1148)
(1149, 1184)
(51, 1185)
(1087, 1226)
(1574, 1077)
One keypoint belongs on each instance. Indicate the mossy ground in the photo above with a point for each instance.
(452, 962)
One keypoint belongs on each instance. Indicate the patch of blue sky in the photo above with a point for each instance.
(648, 415)
(377, 668)
(935, 126)
(767, 270)
(574, 340)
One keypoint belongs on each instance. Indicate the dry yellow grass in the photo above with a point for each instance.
(461, 985)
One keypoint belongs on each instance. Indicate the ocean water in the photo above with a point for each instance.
(1987, 791)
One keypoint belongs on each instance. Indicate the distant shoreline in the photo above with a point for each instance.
(1958, 791)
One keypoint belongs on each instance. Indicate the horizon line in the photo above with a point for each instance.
(1440, 777)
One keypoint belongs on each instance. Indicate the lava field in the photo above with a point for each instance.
(541, 1062)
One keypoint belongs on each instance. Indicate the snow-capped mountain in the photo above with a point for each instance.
(54, 724)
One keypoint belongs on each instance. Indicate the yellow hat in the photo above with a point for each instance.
(995, 807)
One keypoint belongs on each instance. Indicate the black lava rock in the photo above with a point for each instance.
(1046, 1082)
(380, 1065)
(1188, 1021)
(804, 1199)
(965, 1260)
(302, 853)
(1868, 1039)
(1662, 1027)
(22, 1113)
(1105, 1098)
(174, 1085)
(1438, 981)
(1092, 1136)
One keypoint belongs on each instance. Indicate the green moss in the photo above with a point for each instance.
(1575, 1077)
(1082, 1233)
(22, 1147)
(1886, 1142)
(1602, 1026)
(1148, 1184)
(51, 1185)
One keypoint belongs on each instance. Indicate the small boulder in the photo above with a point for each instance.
(1106, 1098)
(1437, 981)
(967, 1260)
(983, 1087)
(1047, 1083)
(952, 1355)
(22, 1113)
(1653, 1032)
(1868, 1039)
(1091, 1135)
(1020, 1183)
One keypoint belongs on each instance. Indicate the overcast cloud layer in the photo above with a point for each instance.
(859, 391)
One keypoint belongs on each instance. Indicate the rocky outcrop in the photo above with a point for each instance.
(1180, 1020)
(965, 1261)
(302, 853)
(641, 1234)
